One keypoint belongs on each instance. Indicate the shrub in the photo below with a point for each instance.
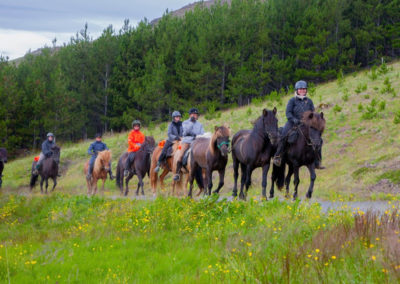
(383, 69)
(387, 87)
(370, 113)
(382, 105)
(337, 108)
(249, 111)
(373, 76)
(340, 78)
(396, 119)
(360, 88)
(374, 102)
(360, 107)
(366, 96)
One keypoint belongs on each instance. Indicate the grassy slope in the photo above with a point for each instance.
(356, 151)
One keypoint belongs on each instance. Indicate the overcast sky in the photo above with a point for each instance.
(31, 24)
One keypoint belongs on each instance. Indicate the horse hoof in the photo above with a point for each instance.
(271, 196)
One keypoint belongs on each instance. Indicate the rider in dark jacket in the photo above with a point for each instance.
(175, 132)
(296, 106)
(94, 148)
(47, 151)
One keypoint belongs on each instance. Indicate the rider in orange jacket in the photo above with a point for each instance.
(135, 141)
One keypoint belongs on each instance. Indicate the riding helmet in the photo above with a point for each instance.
(98, 135)
(193, 110)
(136, 122)
(176, 113)
(50, 134)
(300, 85)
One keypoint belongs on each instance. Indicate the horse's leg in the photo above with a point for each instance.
(313, 176)
(221, 180)
(209, 183)
(265, 170)
(249, 171)
(296, 180)
(41, 184)
(287, 180)
(243, 180)
(54, 183)
(191, 179)
(235, 174)
(47, 184)
(272, 190)
(127, 179)
(140, 184)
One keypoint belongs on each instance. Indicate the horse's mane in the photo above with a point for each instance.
(315, 120)
(102, 156)
(221, 131)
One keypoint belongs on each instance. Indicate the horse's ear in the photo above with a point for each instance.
(274, 110)
(311, 115)
(322, 114)
(265, 112)
(216, 128)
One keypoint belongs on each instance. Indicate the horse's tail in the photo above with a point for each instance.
(118, 175)
(278, 175)
(34, 178)
(198, 176)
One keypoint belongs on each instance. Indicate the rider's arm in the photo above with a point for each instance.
(90, 149)
(289, 111)
(187, 128)
(171, 136)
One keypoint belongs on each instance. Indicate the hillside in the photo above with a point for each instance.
(361, 143)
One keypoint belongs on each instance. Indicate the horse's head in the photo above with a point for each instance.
(3, 155)
(220, 139)
(149, 144)
(104, 158)
(56, 153)
(269, 125)
(316, 124)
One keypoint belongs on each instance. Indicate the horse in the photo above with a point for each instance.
(49, 169)
(139, 167)
(3, 160)
(254, 148)
(166, 167)
(303, 152)
(209, 154)
(100, 170)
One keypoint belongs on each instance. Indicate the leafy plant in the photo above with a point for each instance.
(337, 108)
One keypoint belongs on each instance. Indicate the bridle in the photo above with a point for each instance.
(310, 142)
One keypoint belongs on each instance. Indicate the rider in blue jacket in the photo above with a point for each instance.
(94, 148)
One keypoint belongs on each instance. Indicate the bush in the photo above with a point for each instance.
(373, 76)
(340, 78)
(370, 113)
(345, 97)
(396, 119)
(360, 88)
(383, 69)
(387, 87)
(337, 108)
(382, 106)
(249, 111)
(374, 102)
(257, 101)
(360, 107)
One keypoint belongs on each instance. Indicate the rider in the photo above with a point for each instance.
(175, 132)
(296, 106)
(135, 141)
(191, 128)
(46, 151)
(94, 148)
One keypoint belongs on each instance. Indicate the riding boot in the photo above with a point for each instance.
(128, 163)
(157, 168)
(90, 171)
(177, 176)
(279, 153)
(36, 170)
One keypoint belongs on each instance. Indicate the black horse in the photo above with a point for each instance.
(49, 169)
(139, 167)
(254, 148)
(304, 151)
(3, 160)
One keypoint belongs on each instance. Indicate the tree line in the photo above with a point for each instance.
(213, 58)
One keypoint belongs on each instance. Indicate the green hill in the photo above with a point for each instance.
(361, 143)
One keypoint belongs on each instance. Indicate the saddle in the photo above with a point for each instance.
(292, 135)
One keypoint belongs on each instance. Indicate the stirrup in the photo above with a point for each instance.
(126, 173)
(177, 177)
(88, 176)
(157, 169)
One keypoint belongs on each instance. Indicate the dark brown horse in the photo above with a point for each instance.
(209, 154)
(3, 160)
(252, 149)
(303, 152)
(139, 167)
(49, 169)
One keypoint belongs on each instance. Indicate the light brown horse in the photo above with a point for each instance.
(166, 167)
(100, 170)
(209, 154)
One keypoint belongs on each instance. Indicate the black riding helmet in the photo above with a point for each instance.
(193, 110)
(98, 135)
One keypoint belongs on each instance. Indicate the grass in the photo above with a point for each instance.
(72, 238)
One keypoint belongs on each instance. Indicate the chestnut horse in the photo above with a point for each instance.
(209, 154)
(100, 170)
(166, 167)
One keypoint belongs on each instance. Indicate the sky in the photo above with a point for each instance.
(32, 24)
